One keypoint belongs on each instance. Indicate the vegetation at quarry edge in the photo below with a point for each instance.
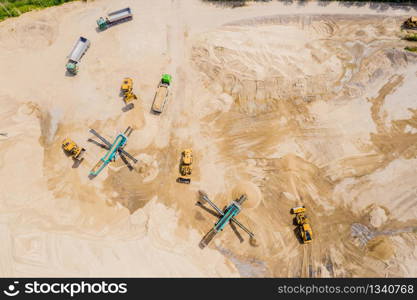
(14, 8)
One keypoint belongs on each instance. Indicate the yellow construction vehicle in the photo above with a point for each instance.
(129, 97)
(73, 149)
(127, 90)
(302, 222)
(411, 23)
(127, 85)
(186, 166)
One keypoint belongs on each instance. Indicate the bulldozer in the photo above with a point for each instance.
(186, 166)
(303, 224)
(127, 90)
(73, 149)
(411, 23)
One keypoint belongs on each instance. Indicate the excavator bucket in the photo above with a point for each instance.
(129, 97)
(166, 78)
(298, 209)
(80, 155)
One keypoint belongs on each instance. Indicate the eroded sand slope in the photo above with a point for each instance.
(312, 109)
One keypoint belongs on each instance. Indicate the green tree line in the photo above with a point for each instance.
(14, 8)
(353, 2)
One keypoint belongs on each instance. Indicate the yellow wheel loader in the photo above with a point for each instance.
(186, 166)
(411, 23)
(127, 90)
(129, 97)
(73, 149)
(303, 224)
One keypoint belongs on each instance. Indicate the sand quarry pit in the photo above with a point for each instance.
(290, 105)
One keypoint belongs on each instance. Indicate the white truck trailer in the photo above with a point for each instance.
(115, 17)
(77, 52)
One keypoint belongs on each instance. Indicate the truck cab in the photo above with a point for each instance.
(72, 67)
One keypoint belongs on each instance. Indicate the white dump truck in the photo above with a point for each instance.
(161, 94)
(77, 52)
(115, 17)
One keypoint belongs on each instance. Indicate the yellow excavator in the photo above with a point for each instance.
(127, 90)
(186, 166)
(303, 224)
(73, 149)
(411, 23)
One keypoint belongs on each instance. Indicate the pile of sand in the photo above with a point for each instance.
(377, 217)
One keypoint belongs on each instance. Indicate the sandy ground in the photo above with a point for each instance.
(292, 105)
